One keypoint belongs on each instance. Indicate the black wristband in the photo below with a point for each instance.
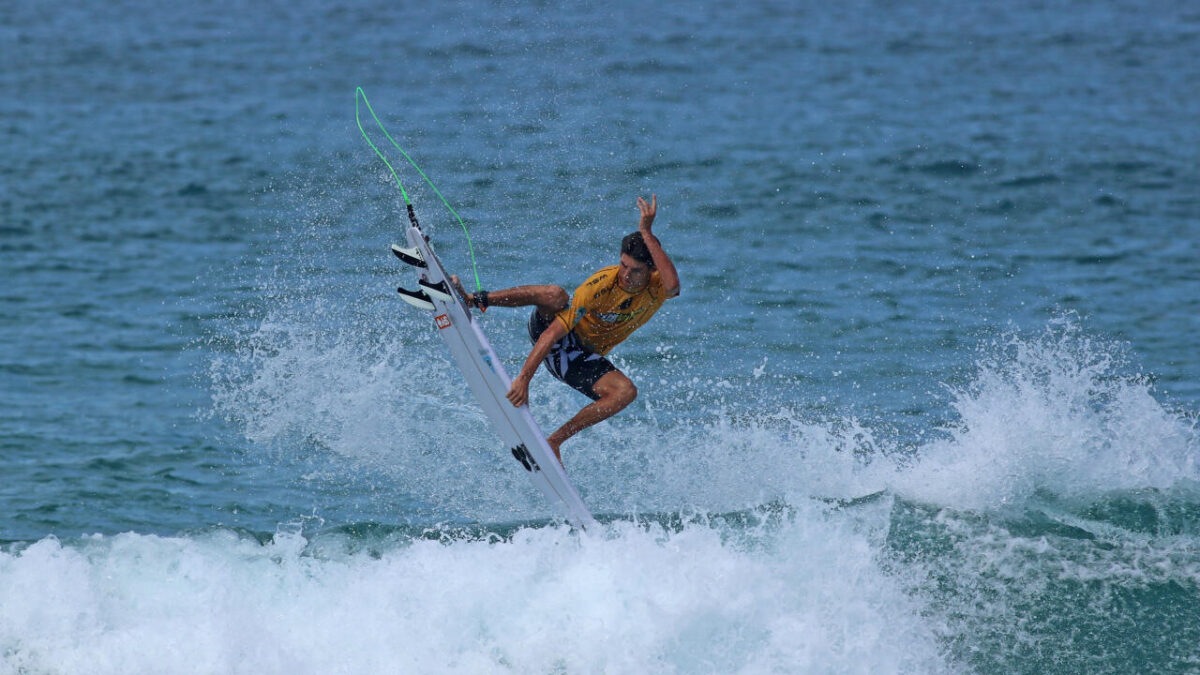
(480, 299)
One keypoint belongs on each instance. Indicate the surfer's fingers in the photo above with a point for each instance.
(645, 208)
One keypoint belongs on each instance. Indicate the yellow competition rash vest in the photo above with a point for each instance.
(602, 314)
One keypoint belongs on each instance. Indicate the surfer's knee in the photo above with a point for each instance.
(629, 391)
(557, 298)
(618, 388)
(551, 300)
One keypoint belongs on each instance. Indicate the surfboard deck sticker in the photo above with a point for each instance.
(489, 382)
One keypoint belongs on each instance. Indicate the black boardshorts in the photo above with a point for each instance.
(569, 360)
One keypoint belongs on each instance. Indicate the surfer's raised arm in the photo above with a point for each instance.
(666, 269)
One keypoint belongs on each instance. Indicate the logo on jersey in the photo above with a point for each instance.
(619, 317)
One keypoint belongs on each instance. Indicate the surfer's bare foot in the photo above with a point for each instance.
(470, 298)
(554, 445)
(478, 299)
(462, 291)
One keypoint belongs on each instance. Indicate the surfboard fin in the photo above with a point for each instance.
(411, 256)
(415, 298)
(440, 290)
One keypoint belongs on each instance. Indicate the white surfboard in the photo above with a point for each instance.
(487, 378)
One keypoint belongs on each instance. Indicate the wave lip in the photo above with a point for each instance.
(1053, 414)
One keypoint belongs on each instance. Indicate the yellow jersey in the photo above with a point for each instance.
(602, 314)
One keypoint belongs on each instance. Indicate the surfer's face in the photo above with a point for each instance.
(631, 274)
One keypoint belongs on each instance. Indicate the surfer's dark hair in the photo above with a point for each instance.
(635, 247)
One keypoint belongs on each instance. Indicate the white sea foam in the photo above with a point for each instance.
(1057, 412)
(807, 597)
(1055, 417)
(384, 406)
(1053, 413)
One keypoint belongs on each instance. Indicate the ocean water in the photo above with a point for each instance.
(928, 401)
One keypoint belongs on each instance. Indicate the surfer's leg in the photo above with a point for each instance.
(615, 391)
(548, 298)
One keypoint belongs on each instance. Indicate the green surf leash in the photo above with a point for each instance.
(412, 216)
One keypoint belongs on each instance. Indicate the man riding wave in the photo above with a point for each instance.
(572, 334)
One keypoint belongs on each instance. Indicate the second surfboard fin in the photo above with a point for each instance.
(415, 298)
(411, 256)
(440, 290)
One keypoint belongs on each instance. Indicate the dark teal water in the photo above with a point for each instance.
(946, 256)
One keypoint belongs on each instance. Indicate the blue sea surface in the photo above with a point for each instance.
(928, 401)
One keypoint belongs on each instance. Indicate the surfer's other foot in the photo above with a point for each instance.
(462, 291)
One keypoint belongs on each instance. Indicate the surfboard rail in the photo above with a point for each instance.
(486, 377)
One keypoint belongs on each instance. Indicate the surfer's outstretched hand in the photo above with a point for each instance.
(649, 210)
(518, 394)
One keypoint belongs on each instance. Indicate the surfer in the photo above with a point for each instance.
(572, 334)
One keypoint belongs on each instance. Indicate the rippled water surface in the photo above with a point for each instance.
(927, 403)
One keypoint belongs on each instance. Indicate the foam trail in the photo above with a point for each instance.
(807, 595)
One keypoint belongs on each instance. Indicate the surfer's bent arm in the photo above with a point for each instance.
(662, 263)
(518, 393)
